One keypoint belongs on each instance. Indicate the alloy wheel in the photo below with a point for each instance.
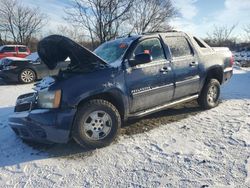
(97, 125)
(212, 95)
(27, 76)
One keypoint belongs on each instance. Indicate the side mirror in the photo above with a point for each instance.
(141, 59)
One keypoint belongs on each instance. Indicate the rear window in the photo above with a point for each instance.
(201, 45)
(8, 49)
(22, 49)
(178, 46)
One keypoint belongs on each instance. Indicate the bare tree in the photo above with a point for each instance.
(151, 15)
(20, 22)
(73, 32)
(100, 19)
(247, 32)
(221, 35)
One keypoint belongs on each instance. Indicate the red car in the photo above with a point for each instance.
(14, 51)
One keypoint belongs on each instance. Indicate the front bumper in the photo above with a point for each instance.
(41, 125)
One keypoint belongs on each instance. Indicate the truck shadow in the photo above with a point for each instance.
(165, 117)
(34, 151)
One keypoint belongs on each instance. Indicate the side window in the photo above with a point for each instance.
(179, 46)
(22, 49)
(201, 45)
(150, 46)
(8, 49)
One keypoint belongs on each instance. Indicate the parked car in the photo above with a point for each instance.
(125, 78)
(245, 63)
(27, 70)
(14, 51)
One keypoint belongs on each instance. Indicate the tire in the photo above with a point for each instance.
(97, 124)
(27, 76)
(209, 97)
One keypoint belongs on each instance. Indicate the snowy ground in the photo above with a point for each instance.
(187, 148)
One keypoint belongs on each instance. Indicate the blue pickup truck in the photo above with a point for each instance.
(129, 77)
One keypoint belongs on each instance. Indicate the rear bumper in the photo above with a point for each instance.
(228, 73)
(43, 125)
(9, 75)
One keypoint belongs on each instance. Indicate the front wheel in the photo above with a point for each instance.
(209, 97)
(97, 124)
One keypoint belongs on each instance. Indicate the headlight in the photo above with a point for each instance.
(49, 99)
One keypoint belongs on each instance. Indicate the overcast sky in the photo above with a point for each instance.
(196, 16)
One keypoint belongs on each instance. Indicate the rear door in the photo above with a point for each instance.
(22, 51)
(149, 84)
(185, 65)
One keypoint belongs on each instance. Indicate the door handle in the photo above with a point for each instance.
(193, 64)
(165, 69)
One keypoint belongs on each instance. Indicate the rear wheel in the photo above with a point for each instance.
(27, 76)
(97, 124)
(209, 97)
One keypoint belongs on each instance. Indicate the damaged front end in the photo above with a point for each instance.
(39, 116)
(36, 118)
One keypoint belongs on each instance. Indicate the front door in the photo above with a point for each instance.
(149, 84)
(185, 66)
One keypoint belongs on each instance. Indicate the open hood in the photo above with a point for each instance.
(55, 48)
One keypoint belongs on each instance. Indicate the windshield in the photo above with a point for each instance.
(113, 50)
(33, 57)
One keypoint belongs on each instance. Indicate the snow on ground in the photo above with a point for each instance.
(206, 149)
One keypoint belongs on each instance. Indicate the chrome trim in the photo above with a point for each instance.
(149, 89)
(228, 69)
(196, 78)
(151, 64)
(185, 57)
(159, 108)
(15, 124)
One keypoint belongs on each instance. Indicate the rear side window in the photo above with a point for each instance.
(8, 49)
(22, 49)
(152, 47)
(179, 46)
(199, 43)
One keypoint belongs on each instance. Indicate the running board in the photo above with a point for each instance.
(159, 108)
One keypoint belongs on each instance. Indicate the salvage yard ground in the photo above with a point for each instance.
(179, 147)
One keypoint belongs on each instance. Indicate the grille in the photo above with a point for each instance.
(25, 102)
